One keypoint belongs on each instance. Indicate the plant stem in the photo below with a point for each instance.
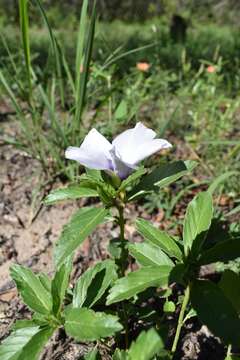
(180, 319)
(122, 239)
(123, 268)
(229, 350)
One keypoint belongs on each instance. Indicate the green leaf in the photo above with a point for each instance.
(230, 285)
(115, 247)
(60, 284)
(68, 193)
(192, 313)
(84, 52)
(131, 179)
(25, 343)
(148, 254)
(146, 346)
(121, 111)
(162, 176)
(138, 281)
(83, 222)
(87, 325)
(31, 289)
(33, 348)
(216, 311)
(20, 324)
(24, 24)
(92, 355)
(46, 281)
(92, 285)
(197, 220)
(11, 347)
(169, 307)
(223, 251)
(120, 355)
(158, 238)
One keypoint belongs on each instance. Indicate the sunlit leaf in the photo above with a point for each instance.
(131, 179)
(148, 254)
(25, 343)
(92, 355)
(146, 346)
(31, 289)
(68, 193)
(197, 220)
(120, 355)
(86, 325)
(159, 238)
(93, 284)
(60, 284)
(83, 222)
(138, 281)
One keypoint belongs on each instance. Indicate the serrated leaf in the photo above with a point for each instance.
(83, 222)
(216, 311)
(162, 176)
(230, 285)
(25, 343)
(31, 289)
(60, 284)
(148, 254)
(197, 221)
(131, 179)
(92, 285)
(158, 238)
(86, 325)
(224, 251)
(69, 193)
(138, 281)
(146, 346)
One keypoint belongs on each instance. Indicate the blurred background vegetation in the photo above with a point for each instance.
(189, 92)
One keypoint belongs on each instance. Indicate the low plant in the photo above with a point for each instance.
(110, 300)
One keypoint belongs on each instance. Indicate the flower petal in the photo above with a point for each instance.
(136, 144)
(146, 149)
(127, 142)
(94, 152)
(121, 168)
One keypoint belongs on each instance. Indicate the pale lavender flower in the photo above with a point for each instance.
(123, 155)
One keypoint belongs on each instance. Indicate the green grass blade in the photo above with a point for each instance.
(80, 40)
(83, 71)
(10, 57)
(67, 70)
(12, 97)
(50, 105)
(24, 24)
(55, 49)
